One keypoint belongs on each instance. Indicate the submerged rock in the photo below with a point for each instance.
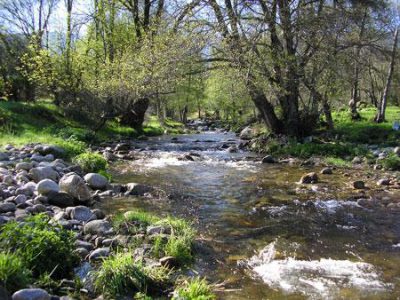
(268, 160)
(383, 181)
(359, 184)
(327, 171)
(309, 178)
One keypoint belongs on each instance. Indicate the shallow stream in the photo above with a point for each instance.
(262, 235)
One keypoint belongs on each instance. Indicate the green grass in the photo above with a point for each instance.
(121, 274)
(366, 131)
(43, 248)
(141, 217)
(91, 162)
(177, 244)
(392, 162)
(307, 150)
(194, 289)
(43, 122)
(14, 275)
(338, 162)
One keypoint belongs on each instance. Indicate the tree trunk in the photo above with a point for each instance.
(355, 91)
(134, 117)
(266, 109)
(380, 117)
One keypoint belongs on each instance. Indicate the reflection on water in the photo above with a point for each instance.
(325, 246)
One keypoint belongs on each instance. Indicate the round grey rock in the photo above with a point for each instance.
(99, 227)
(31, 294)
(96, 181)
(47, 186)
(82, 213)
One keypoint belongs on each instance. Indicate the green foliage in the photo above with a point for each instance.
(44, 248)
(308, 150)
(366, 131)
(141, 217)
(336, 161)
(14, 275)
(194, 289)
(121, 274)
(91, 162)
(392, 162)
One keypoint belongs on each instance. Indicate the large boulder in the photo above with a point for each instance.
(96, 181)
(47, 186)
(60, 199)
(82, 213)
(40, 173)
(247, 133)
(99, 227)
(31, 294)
(75, 186)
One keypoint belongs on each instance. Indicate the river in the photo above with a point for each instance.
(262, 235)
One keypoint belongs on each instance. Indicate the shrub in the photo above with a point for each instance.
(91, 162)
(121, 274)
(195, 289)
(44, 248)
(392, 162)
(13, 273)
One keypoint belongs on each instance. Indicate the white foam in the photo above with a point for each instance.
(318, 279)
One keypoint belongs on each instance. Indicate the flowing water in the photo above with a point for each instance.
(262, 235)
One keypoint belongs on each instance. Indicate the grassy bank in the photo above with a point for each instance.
(43, 122)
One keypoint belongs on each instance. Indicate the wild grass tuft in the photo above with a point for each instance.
(194, 289)
(121, 275)
(141, 217)
(91, 162)
(338, 162)
(14, 275)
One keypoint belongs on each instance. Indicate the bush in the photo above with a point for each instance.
(121, 275)
(13, 273)
(44, 248)
(91, 162)
(392, 162)
(195, 289)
